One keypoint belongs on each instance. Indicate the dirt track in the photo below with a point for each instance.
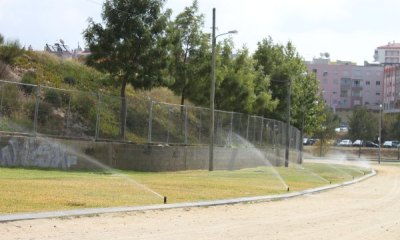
(367, 210)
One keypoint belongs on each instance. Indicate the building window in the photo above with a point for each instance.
(325, 74)
(314, 71)
(356, 83)
(367, 83)
(356, 94)
(378, 83)
(378, 93)
(343, 93)
(366, 103)
(345, 81)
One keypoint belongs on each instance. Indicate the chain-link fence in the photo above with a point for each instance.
(31, 109)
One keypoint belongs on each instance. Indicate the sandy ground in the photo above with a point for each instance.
(367, 210)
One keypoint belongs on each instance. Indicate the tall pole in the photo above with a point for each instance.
(287, 126)
(380, 133)
(212, 97)
(301, 138)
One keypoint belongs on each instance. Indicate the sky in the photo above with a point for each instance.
(349, 30)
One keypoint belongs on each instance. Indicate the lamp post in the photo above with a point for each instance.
(212, 94)
(380, 132)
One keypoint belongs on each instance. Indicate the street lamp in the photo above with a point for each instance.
(380, 132)
(212, 94)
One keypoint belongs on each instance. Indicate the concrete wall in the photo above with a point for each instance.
(24, 151)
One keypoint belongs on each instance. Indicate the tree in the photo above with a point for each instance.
(239, 86)
(130, 45)
(185, 44)
(281, 63)
(1, 39)
(326, 130)
(363, 125)
(308, 108)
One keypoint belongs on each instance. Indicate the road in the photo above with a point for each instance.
(366, 210)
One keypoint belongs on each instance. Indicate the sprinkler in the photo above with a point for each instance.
(165, 199)
(330, 182)
(288, 189)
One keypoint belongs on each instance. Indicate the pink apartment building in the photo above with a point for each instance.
(391, 89)
(345, 85)
(389, 57)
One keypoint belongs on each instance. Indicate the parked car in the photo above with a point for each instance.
(370, 144)
(309, 141)
(358, 143)
(390, 144)
(346, 143)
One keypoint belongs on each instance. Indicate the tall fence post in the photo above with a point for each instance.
(261, 132)
(247, 129)
(126, 116)
(168, 123)
(67, 115)
(200, 124)
(1, 101)
(186, 125)
(96, 137)
(35, 119)
(150, 120)
(231, 130)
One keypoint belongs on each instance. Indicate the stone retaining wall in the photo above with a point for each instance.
(22, 151)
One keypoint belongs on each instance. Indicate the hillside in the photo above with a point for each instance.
(73, 100)
(50, 70)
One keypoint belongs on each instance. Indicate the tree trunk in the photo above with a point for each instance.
(123, 110)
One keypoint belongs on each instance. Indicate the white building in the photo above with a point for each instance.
(388, 54)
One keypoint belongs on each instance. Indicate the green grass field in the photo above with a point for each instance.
(31, 190)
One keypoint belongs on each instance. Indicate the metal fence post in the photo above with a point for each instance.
(168, 123)
(254, 130)
(261, 132)
(68, 112)
(35, 120)
(231, 130)
(186, 125)
(200, 125)
(126, 116)
(247, 128)
(97, 132)
(150, 120)
(1, 101)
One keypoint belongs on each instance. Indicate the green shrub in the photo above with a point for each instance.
(53, 96)
(28, 78)
(65, 97)
(69, 80)
(83, 104)
(9, 99)
(44, 111)
(10, 51)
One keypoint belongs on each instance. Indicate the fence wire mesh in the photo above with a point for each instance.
(31, 109)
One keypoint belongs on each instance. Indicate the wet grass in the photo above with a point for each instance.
(31, 190)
